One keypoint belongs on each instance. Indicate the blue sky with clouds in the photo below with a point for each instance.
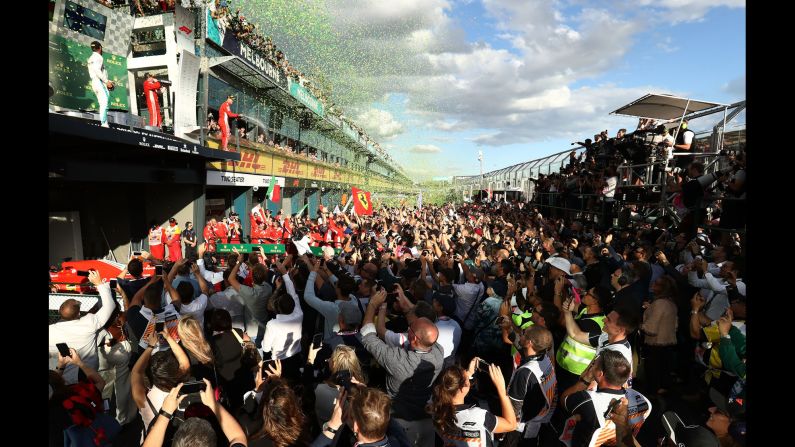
(521, 79)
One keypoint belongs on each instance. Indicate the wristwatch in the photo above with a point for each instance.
(328, 428)
(165, 414)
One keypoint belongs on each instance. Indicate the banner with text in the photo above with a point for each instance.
(306, 98)
(265, 163)
(254, 59)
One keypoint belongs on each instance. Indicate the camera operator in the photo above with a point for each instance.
(693, 192)
(685, 142)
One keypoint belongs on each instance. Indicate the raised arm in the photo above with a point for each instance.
(572, 329)
(231, 428)
(108, 305)
(202, 282)
(137, 381)
(90, 372)
(233, 274)
(138, 299)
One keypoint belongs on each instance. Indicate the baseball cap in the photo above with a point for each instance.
(560, 264)
(687, 435)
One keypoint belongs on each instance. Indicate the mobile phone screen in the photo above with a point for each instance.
(158, 270)
(192, 387)
(317, 340)
(63, 349)
(159, 327)
(113, 283)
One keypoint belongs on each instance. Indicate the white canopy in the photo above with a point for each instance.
(663, 107)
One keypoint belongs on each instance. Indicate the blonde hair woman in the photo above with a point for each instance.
(191, 338)
(343, 358)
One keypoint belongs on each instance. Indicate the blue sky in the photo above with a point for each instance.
(698, 59)
(434, 81)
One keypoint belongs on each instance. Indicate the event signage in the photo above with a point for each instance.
(254, 59)
(224, 178)
(303, 95)
(268, 249)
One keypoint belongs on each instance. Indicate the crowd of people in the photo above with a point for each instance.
(586, 186)
(483, 324)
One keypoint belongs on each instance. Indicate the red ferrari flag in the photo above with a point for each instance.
(362, 204)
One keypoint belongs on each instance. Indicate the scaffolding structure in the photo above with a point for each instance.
(517, 182)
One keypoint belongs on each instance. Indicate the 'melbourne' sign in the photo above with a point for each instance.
(254, 59)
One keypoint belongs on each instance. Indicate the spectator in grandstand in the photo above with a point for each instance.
(79, 332)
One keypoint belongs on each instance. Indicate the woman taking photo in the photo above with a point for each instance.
(457, 421)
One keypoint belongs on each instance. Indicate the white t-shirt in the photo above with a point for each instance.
(228, 300)
(449, 336)
(195, 308)
(283, 333)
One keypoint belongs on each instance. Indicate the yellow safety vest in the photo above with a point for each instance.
(574, 356)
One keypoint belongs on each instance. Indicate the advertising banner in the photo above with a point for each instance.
(185, 100)
(268, 249)
(69, 76)
(264, 163)
(306, 98)
(254, 59)
(221, 178)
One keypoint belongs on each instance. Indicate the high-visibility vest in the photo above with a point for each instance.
(574, 356)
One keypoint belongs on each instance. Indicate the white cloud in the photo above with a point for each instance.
(667, 45)
(688, 10)
(528, 92)
(425, 149)
(380, 124)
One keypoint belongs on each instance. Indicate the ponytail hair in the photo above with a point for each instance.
(448, 384)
